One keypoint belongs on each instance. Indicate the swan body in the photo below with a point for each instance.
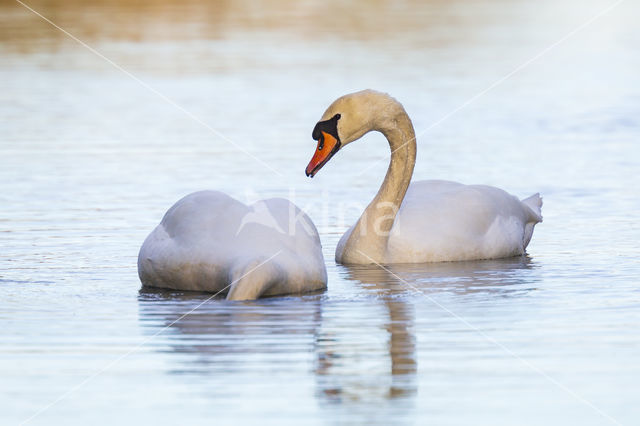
(424, 221)
(434, 224)
(211, 242)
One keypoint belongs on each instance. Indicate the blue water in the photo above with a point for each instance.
(531, 97)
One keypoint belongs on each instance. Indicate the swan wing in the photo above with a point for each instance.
(448, 221)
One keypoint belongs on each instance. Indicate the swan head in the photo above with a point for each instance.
(347, 119)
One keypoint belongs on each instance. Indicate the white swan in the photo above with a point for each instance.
(211, 242)
(427, 221)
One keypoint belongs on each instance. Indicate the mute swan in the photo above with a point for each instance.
(211, 242)
(427, 221)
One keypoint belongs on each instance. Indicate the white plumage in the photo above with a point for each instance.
(445, 221)
(211, 242)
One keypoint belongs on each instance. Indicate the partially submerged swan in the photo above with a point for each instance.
(211, 242)
(427, 221)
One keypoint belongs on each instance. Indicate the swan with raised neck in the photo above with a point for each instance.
(377, 237)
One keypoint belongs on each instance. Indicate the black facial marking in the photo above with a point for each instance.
(329, 126)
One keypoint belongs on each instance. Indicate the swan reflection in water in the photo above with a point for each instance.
(353, 368)
(358, 340)
(373, 357)
(228, 336)
(487, 277)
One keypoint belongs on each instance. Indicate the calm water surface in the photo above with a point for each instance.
(90, 159)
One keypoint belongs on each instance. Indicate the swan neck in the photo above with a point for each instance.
(374, 226)
(402, 143)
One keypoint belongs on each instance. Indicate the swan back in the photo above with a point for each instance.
(445, 221)
(208, 240)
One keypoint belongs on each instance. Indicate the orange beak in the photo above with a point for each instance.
(327, 147)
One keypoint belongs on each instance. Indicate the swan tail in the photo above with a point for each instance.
(251, 280)
(534, 204)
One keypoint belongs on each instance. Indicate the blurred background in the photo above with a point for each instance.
(115, 109)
